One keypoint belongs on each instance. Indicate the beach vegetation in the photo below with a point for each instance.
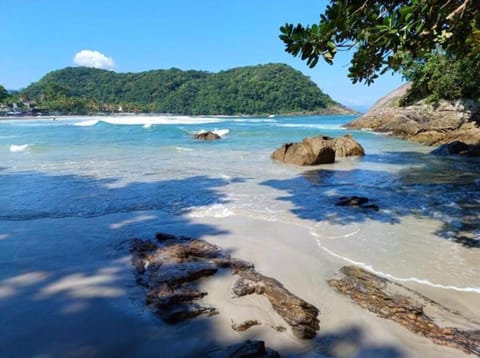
(3, 94)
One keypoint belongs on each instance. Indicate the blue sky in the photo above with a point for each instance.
(40, 36)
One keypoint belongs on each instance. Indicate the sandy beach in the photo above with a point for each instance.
(69, 295)
(76, 195)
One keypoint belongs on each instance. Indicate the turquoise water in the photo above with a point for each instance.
(89, 167)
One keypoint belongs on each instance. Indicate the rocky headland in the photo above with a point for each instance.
(422, 122)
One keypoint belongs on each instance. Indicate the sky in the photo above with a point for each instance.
(37, 37)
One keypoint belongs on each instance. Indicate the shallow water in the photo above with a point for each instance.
(426, 231)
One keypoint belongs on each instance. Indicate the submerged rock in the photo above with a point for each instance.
(376, 295)
(318, 150)
(207, 136)
(169, 267)
(356, 201)
(457, 147)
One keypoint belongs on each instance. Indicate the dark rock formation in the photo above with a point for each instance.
(422, 122)
(318, 150)
(169, 267)
(251, 349)
(207, 136)
(300, 315)
(459, 148)
(243, 326)
(376, 295)
(356, 201)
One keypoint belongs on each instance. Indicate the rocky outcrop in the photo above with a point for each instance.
(300, 315)
(402, 305)
(318, 150)
(459, 148)
(247, 349)
(206, 136)
(169, 268)
(422, 122)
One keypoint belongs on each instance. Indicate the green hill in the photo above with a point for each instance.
(262, 89)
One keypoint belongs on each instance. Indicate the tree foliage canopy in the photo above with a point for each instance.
(3, 93)
(272, 88)
(388, 35)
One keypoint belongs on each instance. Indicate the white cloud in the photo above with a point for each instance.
(94, 59)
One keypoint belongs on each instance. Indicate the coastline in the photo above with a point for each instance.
(421, 122)
(71, 289)
(87, 300)
(326, 112)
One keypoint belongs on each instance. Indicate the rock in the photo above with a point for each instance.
(422, 122)
(302, 154)
(250, 349)
(161, 236)
(347, 146)
(243, 326)
(457, 147)
(356, 201)
(318, 150)
(169, 268)
(351, 201)
(207, 136)
(300, 315)
(185, 311)
(374, 294)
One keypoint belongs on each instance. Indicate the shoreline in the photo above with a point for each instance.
(102, 293)
(97, 115)
(67, 284)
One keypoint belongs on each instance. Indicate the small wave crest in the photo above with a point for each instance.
(395, 278)
(88, 123)
(221, 132)
(183, 149)
(19, 148)
(314, 126)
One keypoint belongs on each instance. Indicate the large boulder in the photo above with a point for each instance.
(206, 136)
(318, 150)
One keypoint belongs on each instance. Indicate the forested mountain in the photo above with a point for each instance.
(271, 88)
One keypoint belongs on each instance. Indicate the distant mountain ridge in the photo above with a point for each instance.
(261, 89)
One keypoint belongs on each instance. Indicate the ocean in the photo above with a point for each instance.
(74, 191)
(94, 166)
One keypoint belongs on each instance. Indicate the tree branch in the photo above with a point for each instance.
(461, 9)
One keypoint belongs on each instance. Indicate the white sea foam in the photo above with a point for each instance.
(307, 125)
(215, 210)
(87, 123)
(394, 278)
(19, 148)
(150, 120)
(183, 149)
(221, 132)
